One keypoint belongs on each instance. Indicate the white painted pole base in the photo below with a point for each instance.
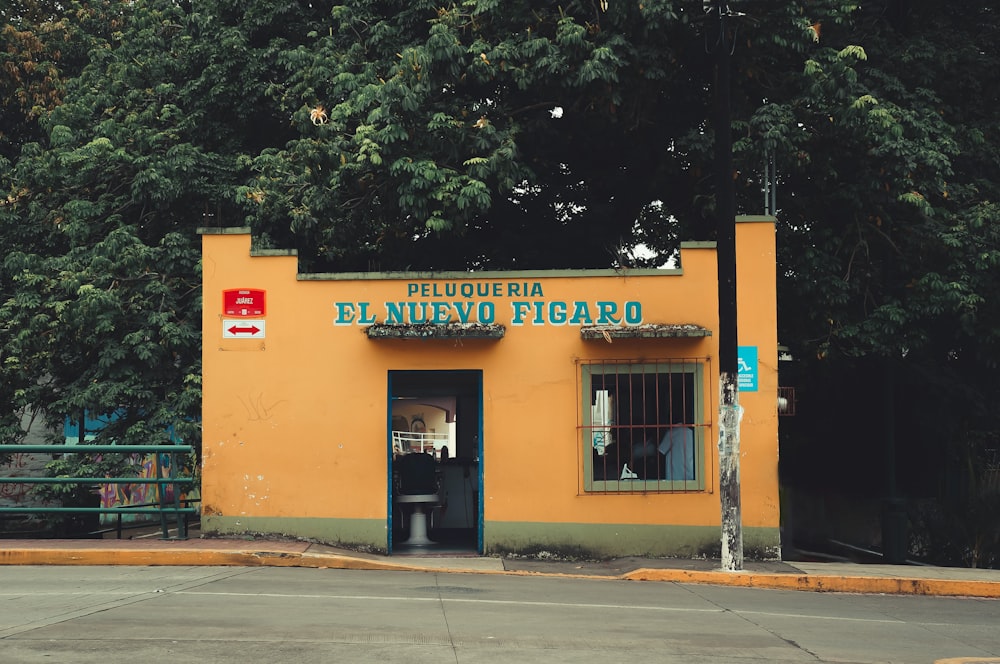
(729, 472)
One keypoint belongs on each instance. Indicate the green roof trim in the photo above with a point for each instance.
(644, 331)
(511, 275)
(223, 230)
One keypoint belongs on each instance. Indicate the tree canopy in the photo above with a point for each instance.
(513, 135)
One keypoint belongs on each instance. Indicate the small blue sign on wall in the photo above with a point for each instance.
(746, 376)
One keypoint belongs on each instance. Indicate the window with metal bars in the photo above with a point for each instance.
(643, 425)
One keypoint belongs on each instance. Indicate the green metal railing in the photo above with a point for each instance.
(163, 509)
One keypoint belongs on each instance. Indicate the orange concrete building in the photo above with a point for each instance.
(565, 411)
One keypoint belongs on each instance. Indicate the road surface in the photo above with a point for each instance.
(271, 614)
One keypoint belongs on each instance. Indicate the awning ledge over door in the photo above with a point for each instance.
(436, 331)
(644, 331)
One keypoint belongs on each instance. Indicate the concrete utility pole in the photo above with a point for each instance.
(730, 412)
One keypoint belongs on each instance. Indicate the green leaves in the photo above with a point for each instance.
(883, 191)
(852, 52)
(439, 119)
(99, 293)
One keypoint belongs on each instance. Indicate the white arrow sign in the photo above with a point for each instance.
(243, 329)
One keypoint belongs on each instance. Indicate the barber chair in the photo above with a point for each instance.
(417, 484)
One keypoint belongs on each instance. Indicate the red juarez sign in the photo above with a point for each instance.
(243, 302)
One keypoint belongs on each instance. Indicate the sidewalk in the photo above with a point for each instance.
(819, 577)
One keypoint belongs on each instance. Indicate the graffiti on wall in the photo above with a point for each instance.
(20, 464)
(123, 495)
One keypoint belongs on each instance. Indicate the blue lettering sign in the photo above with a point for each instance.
(345, 313)
(557, 313)
(746, 375)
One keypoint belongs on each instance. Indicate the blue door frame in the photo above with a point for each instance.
(456, 381)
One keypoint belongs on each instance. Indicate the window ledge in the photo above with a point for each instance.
(645, 331)
(436, 331)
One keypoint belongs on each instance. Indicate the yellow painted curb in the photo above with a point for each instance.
(136, 557)
(818, 583)
(210, 557)
(264, 558)
(184, 557)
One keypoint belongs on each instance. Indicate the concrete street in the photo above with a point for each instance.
(305, 615)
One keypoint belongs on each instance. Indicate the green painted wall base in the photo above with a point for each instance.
(574, 540)
(354, 534)
(600, 541)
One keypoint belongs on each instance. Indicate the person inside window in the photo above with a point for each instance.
(677, 447)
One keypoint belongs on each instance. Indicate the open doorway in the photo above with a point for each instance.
(435, 425)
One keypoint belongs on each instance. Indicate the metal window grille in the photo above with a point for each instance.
(643, 425)
(786, 401)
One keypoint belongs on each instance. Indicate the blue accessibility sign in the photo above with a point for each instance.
(746, 377)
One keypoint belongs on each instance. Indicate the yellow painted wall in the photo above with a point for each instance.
(295, 424)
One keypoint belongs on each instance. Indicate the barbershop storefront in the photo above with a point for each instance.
(566, 411)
